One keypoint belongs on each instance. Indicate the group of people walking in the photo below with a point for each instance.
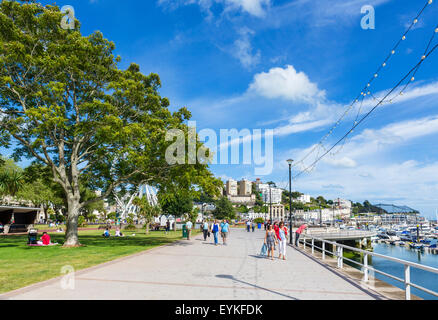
(277, 234)
(250, 225)
(215, 228)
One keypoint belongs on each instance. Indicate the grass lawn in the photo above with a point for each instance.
(22, 265)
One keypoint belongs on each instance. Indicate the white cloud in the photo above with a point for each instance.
(286, 83)
(255, 8)
(243, 50)
(344, 162)
(367, 170)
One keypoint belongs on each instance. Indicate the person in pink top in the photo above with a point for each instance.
(298, 233)
(45, 239)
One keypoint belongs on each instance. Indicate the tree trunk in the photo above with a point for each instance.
(71, 234)
(147, 227)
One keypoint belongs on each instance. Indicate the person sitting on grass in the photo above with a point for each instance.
(106, 233)
(118, 233)
(45, 239)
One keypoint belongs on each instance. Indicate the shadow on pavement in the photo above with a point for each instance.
(376, 296)
(230, 277)
(257, 256)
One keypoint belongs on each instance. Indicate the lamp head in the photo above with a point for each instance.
(289, 161)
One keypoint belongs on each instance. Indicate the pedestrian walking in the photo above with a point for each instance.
(248, 225)
(270, 240)
(215, 230)
(225, 229)
(282, 240)
(276, 228)
(298, 233)
(167, 226)
(189, 226)
(253, 226)
(205, 230)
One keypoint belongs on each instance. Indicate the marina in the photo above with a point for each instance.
(403, 256)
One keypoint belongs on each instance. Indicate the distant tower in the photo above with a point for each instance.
(231, 187)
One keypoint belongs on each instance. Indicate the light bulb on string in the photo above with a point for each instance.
(384, 64)
(415, 21)
(404, 38)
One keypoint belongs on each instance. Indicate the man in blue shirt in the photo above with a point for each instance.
(225, 229)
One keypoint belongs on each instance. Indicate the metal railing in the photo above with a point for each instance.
(343, 234)
(365, 266)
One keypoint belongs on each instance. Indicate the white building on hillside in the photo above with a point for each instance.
(304, 198)
(231, 187)
(274, 192)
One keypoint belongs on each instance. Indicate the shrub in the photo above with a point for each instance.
(258, 220)
(81, 221)
(130, 227)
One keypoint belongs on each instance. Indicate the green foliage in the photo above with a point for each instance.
(93, 124)
(176, 203)
(111, 216)
(11, 178)
(259, 220)
(146, 211)
(366, 207)
(204, 198)
(321, 200)
(224, 209)
(130, 219)
(285, 196)
(243, 209)
(260, 209)
(81, 221)
(193, 215)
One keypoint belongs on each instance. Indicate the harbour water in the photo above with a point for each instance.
(420, 277)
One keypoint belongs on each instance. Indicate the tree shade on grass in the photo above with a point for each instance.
(21, 265)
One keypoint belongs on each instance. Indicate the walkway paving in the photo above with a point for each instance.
(199, 270)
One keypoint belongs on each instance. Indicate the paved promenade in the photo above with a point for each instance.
(199, 270)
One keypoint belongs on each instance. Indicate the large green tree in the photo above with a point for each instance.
(65, 103)
(224, 209)
(175, 202)
(146, 211)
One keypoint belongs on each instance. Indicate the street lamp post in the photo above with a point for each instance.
(289, 162)
(270, 204)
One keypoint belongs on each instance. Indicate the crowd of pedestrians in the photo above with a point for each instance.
(215, 228)
(276, 235)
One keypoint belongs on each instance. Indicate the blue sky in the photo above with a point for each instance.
(294, 67)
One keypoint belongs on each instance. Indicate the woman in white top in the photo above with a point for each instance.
(282, 240)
